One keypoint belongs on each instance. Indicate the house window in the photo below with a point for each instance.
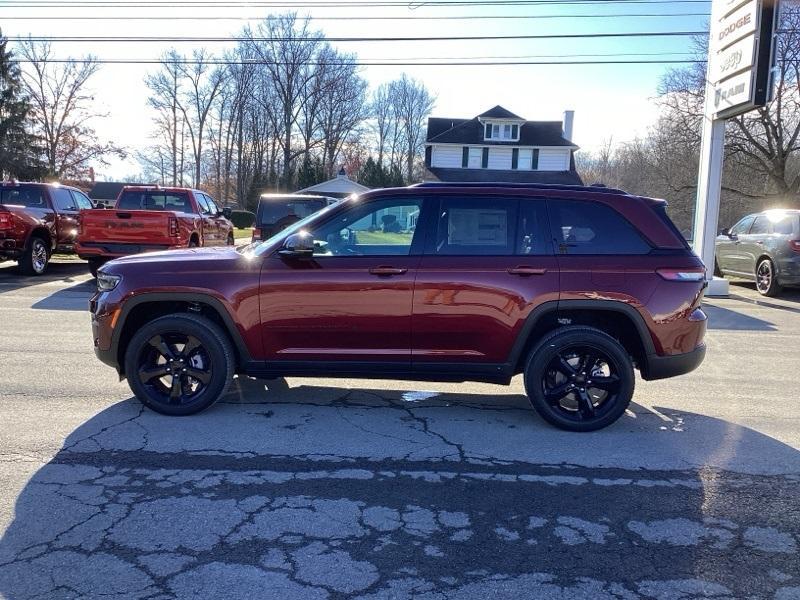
(485, 159)
(535, 159)
(514, 158)
(501, 131)
(465, 157)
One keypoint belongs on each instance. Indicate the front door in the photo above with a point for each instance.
(488, 263)
(351, 302)
(729, 247)
(67, 208)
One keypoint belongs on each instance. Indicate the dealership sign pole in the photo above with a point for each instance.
(741, 50)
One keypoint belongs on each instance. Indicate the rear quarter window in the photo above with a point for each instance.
(582, 228)
(29, 196)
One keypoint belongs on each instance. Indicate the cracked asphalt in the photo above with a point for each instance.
(316, 488)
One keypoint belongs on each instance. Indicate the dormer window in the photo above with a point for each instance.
(503, 132)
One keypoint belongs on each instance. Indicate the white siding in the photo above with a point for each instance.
(446, 156)
(553, 160)
(500, 158)
(524, 163)
(475, 157)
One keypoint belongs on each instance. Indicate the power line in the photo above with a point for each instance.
(448, 63)
(356, 18)
(180, 39)
(335, 4)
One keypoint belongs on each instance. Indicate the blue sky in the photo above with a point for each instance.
(610, 101)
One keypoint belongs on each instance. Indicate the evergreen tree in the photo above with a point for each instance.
(19, 152)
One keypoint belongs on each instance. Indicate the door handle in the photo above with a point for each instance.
(759, 242)
(387, 271)
(525, 271)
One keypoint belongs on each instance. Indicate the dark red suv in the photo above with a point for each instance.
(571, 286)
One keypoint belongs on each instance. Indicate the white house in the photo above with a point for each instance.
(501, 146)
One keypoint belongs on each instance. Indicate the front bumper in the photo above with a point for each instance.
(661, 367)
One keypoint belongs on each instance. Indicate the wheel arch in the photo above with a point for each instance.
(149, 306)
(44, 233)
(621, 321)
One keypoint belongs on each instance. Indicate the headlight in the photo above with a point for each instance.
(106, 283)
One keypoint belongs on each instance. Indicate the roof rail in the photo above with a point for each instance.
(595, 189)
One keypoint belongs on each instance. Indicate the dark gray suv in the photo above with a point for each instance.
(763, 247)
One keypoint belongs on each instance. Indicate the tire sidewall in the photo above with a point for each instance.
(774, 287)
(213, 341)
(26, 264)
(545, 351)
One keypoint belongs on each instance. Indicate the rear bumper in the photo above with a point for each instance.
(661, 367)
(9, 249)
(111, 250)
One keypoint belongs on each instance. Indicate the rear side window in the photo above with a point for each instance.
(476, 227)
(760, 226)
(783, 225)
(154, 200)
(30, 196)
(272, 211)
(593, 228)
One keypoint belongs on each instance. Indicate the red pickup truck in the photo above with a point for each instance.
(148, 218)
(37, 219)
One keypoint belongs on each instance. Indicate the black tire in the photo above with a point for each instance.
(767, 283)
(563, 381)
(94, 265)
(210, 358)
(193, 243)
(230, 241)
(717, 270)
(36, 257)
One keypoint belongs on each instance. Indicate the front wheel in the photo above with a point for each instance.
(766, 280)
(94, 265)
(179, 364)
(579, 379)
(230, 241)
(35, 258)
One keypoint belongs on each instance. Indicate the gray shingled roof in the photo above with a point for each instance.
(498, 112)
(470, 131)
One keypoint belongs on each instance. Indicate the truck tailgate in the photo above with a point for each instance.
(151, 227)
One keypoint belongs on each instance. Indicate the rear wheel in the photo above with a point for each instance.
(179, 364)
(193, 243)
(35, 258)
(766, 280)
(230, 241)
(579, 379)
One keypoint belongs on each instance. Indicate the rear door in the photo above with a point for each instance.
(67, 208)
(487, 265)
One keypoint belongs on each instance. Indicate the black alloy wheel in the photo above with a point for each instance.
(766, 281)
(579, 379)
(179, 364)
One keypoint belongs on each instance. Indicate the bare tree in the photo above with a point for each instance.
(62, 109)
(412, 105)
(164, 97)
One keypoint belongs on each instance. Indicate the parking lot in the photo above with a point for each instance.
(317, 488)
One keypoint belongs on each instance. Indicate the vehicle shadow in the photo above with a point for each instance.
(298, 491)
(75, 297)
(65, 272)
(788, 299)
(725, 318)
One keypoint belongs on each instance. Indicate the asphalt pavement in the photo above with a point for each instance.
(338, 488)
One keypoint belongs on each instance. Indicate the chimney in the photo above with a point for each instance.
(569, 117)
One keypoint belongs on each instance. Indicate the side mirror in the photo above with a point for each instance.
(298, 245)
(226, 212)
(725, 231)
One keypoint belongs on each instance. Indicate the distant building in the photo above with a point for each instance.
(501, 146)
(340, 186)
(106, 192)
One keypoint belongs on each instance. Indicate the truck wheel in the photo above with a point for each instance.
(35, 258)
(230, 241)
(579, 379)
(94, 265)
(179, 364)
(193, 243)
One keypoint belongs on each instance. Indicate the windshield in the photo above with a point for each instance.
(258, 248)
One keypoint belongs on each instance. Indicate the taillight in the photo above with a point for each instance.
(173, 226)
(692, 274)
(5, 220)
(795, 245)
(256, 234)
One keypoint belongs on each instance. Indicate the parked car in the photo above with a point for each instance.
(763, 247)
(150, 218)
(276, 212)
(37, 219)
(571, 286)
